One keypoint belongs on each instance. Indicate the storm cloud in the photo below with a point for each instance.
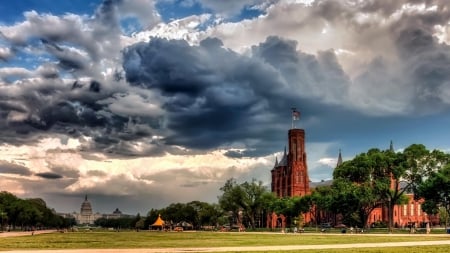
(206, 96)
(216, 97)
(49, 175)
(88, 98)
(12, 168)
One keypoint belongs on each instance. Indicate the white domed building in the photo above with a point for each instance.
(86, 215)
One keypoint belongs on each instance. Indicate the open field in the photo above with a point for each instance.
(216, 241)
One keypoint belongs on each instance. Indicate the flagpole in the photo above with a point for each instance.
(292, 116)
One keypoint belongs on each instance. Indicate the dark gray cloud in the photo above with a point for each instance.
(12, 168)
(212, 96)
(49, 175)
(216, 97)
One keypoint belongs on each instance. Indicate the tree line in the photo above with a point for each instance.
(28, 214)
(376, 178)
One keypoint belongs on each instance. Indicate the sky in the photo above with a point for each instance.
(144, 103)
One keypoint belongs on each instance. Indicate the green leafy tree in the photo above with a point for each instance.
(207, 214)
(231, 200)
(436, 192)
(140, 224)
(360, 185)
(179, 212)
(407, 170)
(8, 203)
(253, 200)
(320, 202)
(152, 215)
(291, 207)
(248, 199)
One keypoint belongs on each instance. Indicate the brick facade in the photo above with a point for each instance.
(290, 178)
(290, 175)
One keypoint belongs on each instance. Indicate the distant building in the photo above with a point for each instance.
(86, 216)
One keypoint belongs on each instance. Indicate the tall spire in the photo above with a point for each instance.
(276, 162)
(391, 147)
(339, 161)
(85, 197)
(284, 160)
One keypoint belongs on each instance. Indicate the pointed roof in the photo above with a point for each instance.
(339, 161)
(159, 222)
(85, 197)
(391, 147)
(276, 162)
(283, 161)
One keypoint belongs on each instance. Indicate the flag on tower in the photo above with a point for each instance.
(295, 115)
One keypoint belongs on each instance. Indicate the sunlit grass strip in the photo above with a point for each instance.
(123, 240)
(416, 249)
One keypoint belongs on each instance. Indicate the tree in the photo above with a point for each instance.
(249, 198)
(139, 224)
(319, 202)
(207, 214)
(252, 200)
(436, 192)
(407, 171)
(152, 215)
(291, 207)
(8, 203)
(231, 199)
(360, 185)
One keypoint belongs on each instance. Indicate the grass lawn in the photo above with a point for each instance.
(421, 249)
(146, 239)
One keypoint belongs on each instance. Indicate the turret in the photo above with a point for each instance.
(339, 161)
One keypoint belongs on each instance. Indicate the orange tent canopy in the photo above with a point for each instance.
(159, 222)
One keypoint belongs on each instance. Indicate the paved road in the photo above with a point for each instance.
(233, 249)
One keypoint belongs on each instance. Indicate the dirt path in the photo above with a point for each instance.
(10, 234)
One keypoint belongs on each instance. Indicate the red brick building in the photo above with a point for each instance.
(290, 178)
(290, 175)
(405, 215)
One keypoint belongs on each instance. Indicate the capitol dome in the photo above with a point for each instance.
(86, 208)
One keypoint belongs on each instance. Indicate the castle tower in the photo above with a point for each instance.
(297, 166)
(290, 175)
